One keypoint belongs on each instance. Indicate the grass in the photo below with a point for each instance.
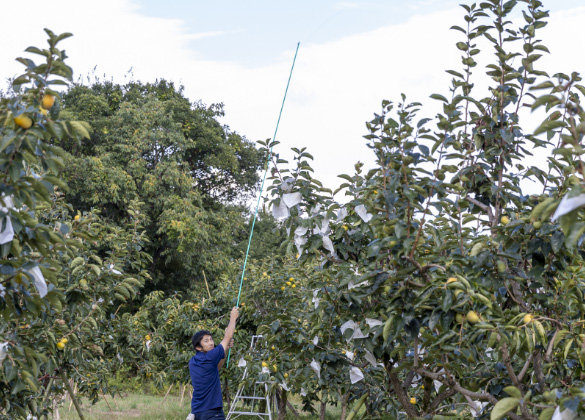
(132, 406)
(151, 407)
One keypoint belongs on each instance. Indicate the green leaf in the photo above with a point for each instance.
(512, 391)
(549, 125)
(568, 348)
(462, 46)
(35, 50)
(545, 100)
(547, 413)
(504, 406)
(439, 97)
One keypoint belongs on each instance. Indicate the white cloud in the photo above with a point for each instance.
(335, 88)
(204, 35)
(346, 5)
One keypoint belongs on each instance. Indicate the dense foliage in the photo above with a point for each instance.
(469, 295)
(438, 287)
(149, 143)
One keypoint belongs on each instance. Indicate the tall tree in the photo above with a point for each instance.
(151, 144)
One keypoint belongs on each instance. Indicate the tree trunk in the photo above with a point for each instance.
(282, 400)
(183, 388)
(72, 394)
(56, 414)
(344, 400)
(323, 410)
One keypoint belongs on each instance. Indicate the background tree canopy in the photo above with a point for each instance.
(151, 144)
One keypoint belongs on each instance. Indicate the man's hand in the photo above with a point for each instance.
(231, 344)
(235, 313)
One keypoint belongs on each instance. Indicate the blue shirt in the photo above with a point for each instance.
(205, 380)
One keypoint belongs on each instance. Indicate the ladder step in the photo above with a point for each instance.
(249, 412)
(250, 398)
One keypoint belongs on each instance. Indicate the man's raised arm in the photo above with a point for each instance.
(229, 331)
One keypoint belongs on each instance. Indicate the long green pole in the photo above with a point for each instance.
(262, 186)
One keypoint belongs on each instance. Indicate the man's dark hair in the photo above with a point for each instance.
(196, 339)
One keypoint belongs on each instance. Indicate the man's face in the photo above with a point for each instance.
(206, 344)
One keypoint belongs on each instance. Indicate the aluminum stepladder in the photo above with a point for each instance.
(256, 400)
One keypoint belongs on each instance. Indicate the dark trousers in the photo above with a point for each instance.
(213, 414)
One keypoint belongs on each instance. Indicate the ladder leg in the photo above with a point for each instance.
(234, 402)
(267, 395)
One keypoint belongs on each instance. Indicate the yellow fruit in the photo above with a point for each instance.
(60, 345)
(392, 244)
(386, 289)
(275, 368)
(451, 280)
(147, 337)
(282, 288)
(264, 274)
(264, 364)
(148, 374)
(345, 227)
(459, 318)
(286, 375)
(537, 224)
(527, 318)
(293, 286)
(48, 101)
(422, 387)
(291, 279)
(413, 400)
(472, 317)
(273, 348)
(64, 340)
(505, 220)
(299, 319)
(288, 283)
(23, 121)
(76, 217)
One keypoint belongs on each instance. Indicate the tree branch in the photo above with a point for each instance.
(538, 370)
(508, 362)
(525, 368)
(551, 344)
(482, 206)
(441, 397)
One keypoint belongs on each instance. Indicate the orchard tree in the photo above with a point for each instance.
(475, 292)
(63, 273)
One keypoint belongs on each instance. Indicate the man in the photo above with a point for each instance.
(207, 402)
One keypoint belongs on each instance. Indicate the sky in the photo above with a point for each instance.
(352, 55)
